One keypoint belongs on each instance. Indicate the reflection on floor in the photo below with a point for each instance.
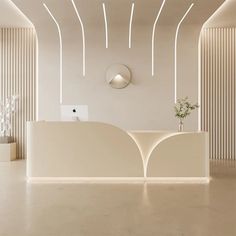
(120, 209)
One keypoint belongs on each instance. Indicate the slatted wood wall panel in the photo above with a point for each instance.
(218, 108)
(18, 76)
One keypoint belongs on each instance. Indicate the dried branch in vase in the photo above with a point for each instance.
(7, 110)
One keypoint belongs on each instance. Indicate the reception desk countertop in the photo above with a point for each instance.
(91, 151)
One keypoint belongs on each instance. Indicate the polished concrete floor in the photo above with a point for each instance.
(119, 209)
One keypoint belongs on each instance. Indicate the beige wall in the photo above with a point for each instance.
(148, 102)
(218, 56)
(18, 77)
(18, 68)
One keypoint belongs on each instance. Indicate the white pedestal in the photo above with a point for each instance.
(7, 151)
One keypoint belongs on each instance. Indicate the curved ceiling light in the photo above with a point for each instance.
(105, 22)
(153, 33)
(176, 42)
(60, 40)
(83, 36)
(130, 24)
(118, 76)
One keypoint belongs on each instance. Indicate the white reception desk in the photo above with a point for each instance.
(97, 152)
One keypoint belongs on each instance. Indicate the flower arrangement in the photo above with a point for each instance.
(7, 109)
(183, 108)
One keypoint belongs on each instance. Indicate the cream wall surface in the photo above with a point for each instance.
(148, 102)
(218, 57)
(18, 77)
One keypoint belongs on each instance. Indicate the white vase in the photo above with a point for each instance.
(181, 126)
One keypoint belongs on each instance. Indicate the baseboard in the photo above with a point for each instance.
(179, 180)
(120, 180)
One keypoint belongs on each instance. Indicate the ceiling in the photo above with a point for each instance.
(225, 16)
(10, 16)
(118, 12)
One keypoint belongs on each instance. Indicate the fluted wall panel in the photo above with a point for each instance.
(18, 77)
(218, 57)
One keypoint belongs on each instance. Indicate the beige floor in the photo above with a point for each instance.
(107, 210)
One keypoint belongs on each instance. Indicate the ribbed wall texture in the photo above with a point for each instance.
(18, 77)
(218, 58)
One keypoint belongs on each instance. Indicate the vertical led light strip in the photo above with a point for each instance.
(105, 21)
(199, 83)
(60, 40)
(153, 33)
(130, 24)
(83, 36)
(37, 78)
(176, 43)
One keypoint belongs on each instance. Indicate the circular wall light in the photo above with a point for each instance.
(118, 76)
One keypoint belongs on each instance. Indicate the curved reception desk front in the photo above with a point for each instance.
(97, 152)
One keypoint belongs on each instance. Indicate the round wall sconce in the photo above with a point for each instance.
(118, 76)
